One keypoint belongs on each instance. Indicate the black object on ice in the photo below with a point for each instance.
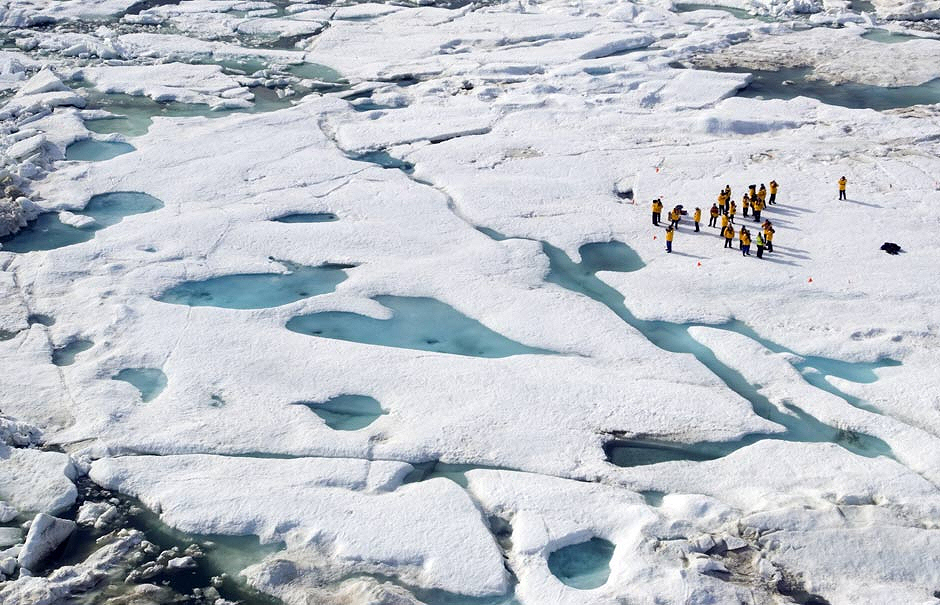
(890, 248)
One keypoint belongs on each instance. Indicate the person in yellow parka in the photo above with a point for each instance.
(741, 236)
(769, 236)
(732, 210)
(675, 215)
(697, 217)
(728, 232)
(657, 211)
(773, 192)
(670, 233)
(745, 204)
(724, 221)
(746, 243)
(722, 202)
(757, 205)
(842, 183)
(762, 194)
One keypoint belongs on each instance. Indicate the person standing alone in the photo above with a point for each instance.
(773, 192)
(670, 233)
(697, 217)
(842, 183)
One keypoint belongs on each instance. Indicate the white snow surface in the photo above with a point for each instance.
(325, 506)
(546, 122)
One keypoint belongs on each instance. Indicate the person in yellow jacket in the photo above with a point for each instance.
(728, 232)
(697, 217)
(745, 204)
(773, 192)
(670, 233)
(657, 211)
(762, 194)
(842, 183)
(746, 243)
(674, 217)
(724, 221)
(757, 205)
(722, 202)
(732, 210)
(741, 235)
(769, 236)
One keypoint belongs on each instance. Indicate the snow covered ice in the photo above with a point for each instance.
(361, 303)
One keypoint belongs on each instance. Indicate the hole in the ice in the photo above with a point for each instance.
(39, 318)
(627, 453)
(383, 159)
(257, 290)
(653, 497)
(432, 469)
(216, 401)
(347, 412)
(65, 355)
(89, 150)
(583, 566)
(47, 232)
(149, 381)
(737, 12)
(307, 217)
(609, 256)
(139, 7)
(315, 71)
(885, 36)
(414, 322)
(796, 82)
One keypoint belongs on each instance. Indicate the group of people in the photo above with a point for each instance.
(755, 200)
(725, 209)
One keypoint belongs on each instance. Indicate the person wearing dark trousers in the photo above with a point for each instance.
(670, 233)
(769, 235)
(746, 243)
(697, 217)
(713, 214)
(760, 245)
(745, 204)
(842, 183)
(773, 192)
(657, 211)
(728, 232)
